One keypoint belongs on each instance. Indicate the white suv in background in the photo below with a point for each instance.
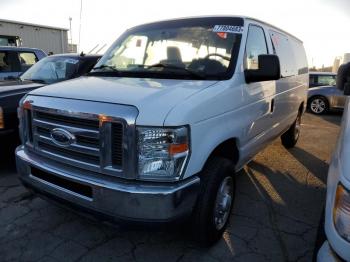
(337, 212)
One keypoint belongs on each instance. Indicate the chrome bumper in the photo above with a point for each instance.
(117, 198)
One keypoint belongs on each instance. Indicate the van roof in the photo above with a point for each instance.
(225, 16)
(19, 48)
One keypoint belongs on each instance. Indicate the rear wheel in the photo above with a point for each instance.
(290, 138)
(318, 105)
(213, 208)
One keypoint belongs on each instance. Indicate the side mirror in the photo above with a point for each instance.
(269, 69)
(343, 78)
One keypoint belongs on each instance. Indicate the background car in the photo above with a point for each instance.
(16, 60)
(336, 222)
(325, 98)
(322, 79)
(49, 70)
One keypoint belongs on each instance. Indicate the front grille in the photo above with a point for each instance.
(28, 115)
(89, 147)
(117, 147)
(67, 153)
(68, 120)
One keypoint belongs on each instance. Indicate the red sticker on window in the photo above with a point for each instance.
(222, 35)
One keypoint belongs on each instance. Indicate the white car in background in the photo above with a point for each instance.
(337, 212)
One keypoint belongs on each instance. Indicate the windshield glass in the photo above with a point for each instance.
(202, 49)
(52, 69)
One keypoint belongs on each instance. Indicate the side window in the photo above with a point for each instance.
(8, 62)
(326, 80)
(27, 59)
(313, 81)
(256, 45)
(284, 50)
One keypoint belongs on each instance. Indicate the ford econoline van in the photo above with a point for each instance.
(158, 129)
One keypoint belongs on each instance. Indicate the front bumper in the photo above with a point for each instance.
(116, 198)
(326, 254)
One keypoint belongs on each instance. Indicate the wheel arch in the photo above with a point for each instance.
(227, 149)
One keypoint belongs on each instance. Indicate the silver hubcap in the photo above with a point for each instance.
(223, 203)
(318, 105)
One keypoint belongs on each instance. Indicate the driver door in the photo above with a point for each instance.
(259, 95)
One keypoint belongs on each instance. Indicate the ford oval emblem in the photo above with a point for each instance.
(62, 137)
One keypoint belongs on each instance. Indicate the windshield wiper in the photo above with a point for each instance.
(112, 68)
(189, 71)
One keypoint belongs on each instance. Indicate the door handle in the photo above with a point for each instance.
(272, 105)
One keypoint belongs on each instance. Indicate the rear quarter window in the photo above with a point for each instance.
(291, 54)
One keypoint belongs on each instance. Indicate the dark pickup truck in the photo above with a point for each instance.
(49, 70)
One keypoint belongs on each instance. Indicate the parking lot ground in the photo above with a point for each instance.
(279, 200)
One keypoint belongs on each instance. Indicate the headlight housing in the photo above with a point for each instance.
(162, 152)
(341, 212)
(2, 118)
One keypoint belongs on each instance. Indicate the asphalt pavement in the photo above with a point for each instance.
(279, 199)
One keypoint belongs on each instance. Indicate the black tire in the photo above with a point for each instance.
(320, 100)
(290, 138)
(321, 236)
(215, 173)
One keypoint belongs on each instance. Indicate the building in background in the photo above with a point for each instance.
(340, 60)
(49, 39)
(337, 62)
(72, 48)
(346, 58)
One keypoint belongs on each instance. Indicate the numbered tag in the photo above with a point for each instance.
(233, 29)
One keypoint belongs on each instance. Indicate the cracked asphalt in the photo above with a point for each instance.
(279, 200)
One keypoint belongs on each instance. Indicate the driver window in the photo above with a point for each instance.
(256, 45)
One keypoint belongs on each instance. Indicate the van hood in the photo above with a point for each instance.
(154, 98)
(8, 88)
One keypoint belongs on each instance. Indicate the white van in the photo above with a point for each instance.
(159, 127)
(337, 212)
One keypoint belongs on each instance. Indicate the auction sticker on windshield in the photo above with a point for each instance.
(233, 29)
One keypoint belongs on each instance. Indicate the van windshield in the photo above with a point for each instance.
(174, 50)
(52, 69)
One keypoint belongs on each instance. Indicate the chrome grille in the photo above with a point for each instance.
(102, 134)
(85, 150)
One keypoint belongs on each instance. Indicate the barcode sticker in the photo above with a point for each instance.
(233, 29)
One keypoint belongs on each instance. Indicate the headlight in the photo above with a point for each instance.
(162, 152)
(341, 212)
(2, 119)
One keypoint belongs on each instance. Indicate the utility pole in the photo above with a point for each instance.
(70, 32)
(81, 9)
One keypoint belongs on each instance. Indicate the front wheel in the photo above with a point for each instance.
(290, 138)
(213, 208)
